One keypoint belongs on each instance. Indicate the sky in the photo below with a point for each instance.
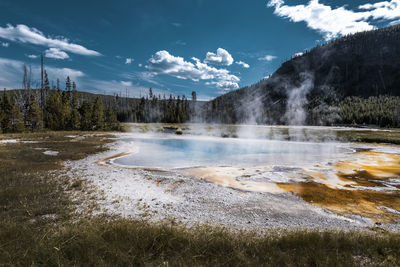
(173, 46)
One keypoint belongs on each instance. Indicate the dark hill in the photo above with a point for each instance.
(364, 64)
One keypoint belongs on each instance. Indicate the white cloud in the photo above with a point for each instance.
(335, 22)
(114, 87)
(298, 54)
(3, 44)
(140, 65)
(62, 73)
(267, 58)
(128, 84)
(243, 64)
(12, 71)
(383, 10)
(163, 62)
(56, 53)
(25, 34)
(222, 57)
(128, 60)
(32, 56)
(395, 22)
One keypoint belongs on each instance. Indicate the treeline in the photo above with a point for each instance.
(54, 109)
(153, 108)
(383, 111)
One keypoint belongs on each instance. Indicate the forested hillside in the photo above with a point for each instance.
(354, 79)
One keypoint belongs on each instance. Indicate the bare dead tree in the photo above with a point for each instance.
(42, 96)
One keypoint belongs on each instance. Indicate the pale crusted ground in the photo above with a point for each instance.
(159, 195)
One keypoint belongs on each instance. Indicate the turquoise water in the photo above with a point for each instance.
(157, 152)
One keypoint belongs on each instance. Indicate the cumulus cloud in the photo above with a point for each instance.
(56, 53)
(267, 58)
(32, 56)
(243, 64)
(25, 34)
(222, 57)
(5, 44)
(128, 60)
(335, 22)
(163, 62)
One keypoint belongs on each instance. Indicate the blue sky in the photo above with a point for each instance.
(173, 46)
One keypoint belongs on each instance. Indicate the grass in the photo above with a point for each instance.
(38, 225)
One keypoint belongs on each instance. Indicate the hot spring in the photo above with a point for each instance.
(343, 177)
(187, 152)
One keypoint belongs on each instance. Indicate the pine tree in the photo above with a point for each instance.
(17, 121)
(53, 113)
(33, 117)
(46, 81)
(68, 84)
(111, 120)
(1, 114)
(6, 110)
(86, 116)
(66, 109)
(74, 120)
(98, 115)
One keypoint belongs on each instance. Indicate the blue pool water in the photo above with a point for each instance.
(175, 152)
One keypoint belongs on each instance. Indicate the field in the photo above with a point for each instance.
(42, 221)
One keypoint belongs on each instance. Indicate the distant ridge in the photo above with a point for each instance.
(363, 64)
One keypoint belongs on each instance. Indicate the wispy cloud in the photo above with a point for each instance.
(25, 34)
(176, 24)
(180, 42)
(222, 57)
(126, 83)
(163, 62)
(267, 58)
(142, 76)
(243, 64)
(335, 22)
(56, 53)
(32, 56)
